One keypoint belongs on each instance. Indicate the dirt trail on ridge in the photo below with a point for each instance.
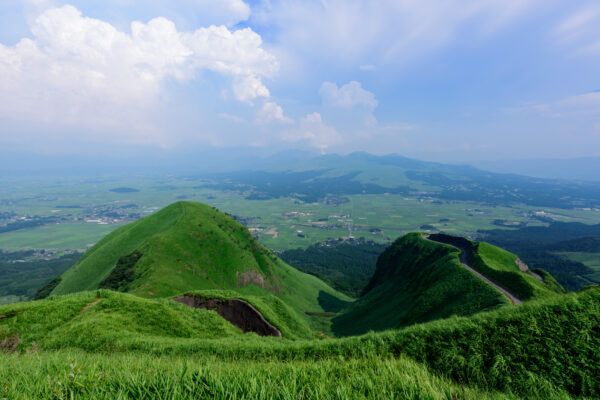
(463, 260)
(92, 304)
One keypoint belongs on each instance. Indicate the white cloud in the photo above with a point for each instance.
(84, 72)
(314, 132)
(270, 112)
(581, 104)
(581, 30)
(383, 31)
(586, 103)
(350, 95)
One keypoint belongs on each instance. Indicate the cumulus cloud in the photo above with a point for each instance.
(350, 95)
(270, 112)
(85, 72)
(314, 132)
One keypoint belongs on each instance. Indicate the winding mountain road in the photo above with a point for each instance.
(463, 260)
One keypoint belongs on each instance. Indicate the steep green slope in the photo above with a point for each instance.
(506, 263)
(417, 280)
(191, 246)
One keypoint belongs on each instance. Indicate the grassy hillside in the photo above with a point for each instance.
(501, 266)
(544, 348)
(276, 311)
(416, 280)
(191, 246)
(107, 321)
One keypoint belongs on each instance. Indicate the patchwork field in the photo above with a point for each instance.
(81, 211)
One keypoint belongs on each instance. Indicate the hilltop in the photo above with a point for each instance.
(419, 279)
(191, 246)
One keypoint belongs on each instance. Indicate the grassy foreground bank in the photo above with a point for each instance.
(548, 348)
(75, 374)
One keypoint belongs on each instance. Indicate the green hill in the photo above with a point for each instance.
(191, 246)
(418, 280)
(75, 346)
(504, 268)
(107, 321)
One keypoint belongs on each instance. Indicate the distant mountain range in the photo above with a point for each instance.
(584, 169)
(312, 179)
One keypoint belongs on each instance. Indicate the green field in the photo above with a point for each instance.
(379, 217)
(76, 235)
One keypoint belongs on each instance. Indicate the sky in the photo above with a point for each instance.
(443, 80)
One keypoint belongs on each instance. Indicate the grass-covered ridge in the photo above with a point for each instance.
(191, 246)
(105, 320)
(417, 280)
(503, 268)
(543, 348)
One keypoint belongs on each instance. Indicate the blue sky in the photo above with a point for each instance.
(444, 80)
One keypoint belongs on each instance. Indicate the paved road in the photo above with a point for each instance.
(463, 260)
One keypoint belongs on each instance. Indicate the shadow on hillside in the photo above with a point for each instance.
(331, 303)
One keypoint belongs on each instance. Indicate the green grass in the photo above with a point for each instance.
(500, 266)
(192, 246)
(543, 348)
(72, 374)
(273, 309)
(65, 322)
(417, 280)
(72, 235)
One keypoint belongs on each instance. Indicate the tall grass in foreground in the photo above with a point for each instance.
(80, 375)
(531, 351)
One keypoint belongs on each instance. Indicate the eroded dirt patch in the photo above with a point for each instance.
(87, 306)
(11, 314)
(238, 312)
(522, 266)
(256, 278)
(246, 278)
(10, 343)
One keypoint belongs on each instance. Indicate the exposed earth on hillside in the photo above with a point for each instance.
(236, 311)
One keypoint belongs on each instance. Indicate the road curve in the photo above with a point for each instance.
(463, 260)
